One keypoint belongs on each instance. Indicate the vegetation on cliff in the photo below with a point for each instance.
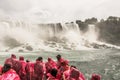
(109, 29)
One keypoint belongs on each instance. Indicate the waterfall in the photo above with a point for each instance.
(16, 33)
(92, 34)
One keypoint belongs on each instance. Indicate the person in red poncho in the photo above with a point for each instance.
(70, 73)
(52, 75)
(22, 72)
(14, 62)
(29, 70)
(59, 60)
(75, 74)
(96, 77)
(66, 69)
(11, 60)
(0, 69)
(63, 71)
(39, 69)
(50, 65)
(9, 73)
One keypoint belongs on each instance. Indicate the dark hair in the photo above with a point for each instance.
(49, 59)
(13, 56)
(6, 67)
(64, 63)
(21, 58)
(96, 77)
(27, 60)
(54, 72)
(39, 58)
(73, 66)
(58, 56)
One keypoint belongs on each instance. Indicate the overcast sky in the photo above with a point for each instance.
(59, 10)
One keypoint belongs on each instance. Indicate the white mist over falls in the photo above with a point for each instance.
(21, 36)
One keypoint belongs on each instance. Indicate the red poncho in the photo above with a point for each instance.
(22, 71)
(38, 70)
(29, 70)
(50, 65)
(96, 77)
(76, 75)
(50, 77)
(10, 75)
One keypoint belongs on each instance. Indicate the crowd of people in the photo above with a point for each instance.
(19, 69)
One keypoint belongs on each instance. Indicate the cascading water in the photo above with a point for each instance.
(18, 34)
(92, 33)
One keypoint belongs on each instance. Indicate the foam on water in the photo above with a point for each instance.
(16, 34)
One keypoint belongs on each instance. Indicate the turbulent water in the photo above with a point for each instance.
(105, 62)
(23, 36)
(82, 49)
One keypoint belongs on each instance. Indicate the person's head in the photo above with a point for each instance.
(27, 60)
(96, 77)
(39, 59)
(21, 58)
(13, 56)
(58, 57)
(73, 66)
(49, 59)
(54, 72)
(65, 64)
(6, 67)
(74, 73)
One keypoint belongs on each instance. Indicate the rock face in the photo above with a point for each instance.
(20, 50)
(109, 29)
(101, 46)
(29, 48)
(11, 42)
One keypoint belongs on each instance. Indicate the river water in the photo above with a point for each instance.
(105, 62)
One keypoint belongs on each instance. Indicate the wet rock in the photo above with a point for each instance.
(20, 50)
(29, 48)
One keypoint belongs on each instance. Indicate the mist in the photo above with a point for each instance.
(44, 11)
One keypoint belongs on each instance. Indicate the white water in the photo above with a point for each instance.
(15, 35)
(92, 34)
